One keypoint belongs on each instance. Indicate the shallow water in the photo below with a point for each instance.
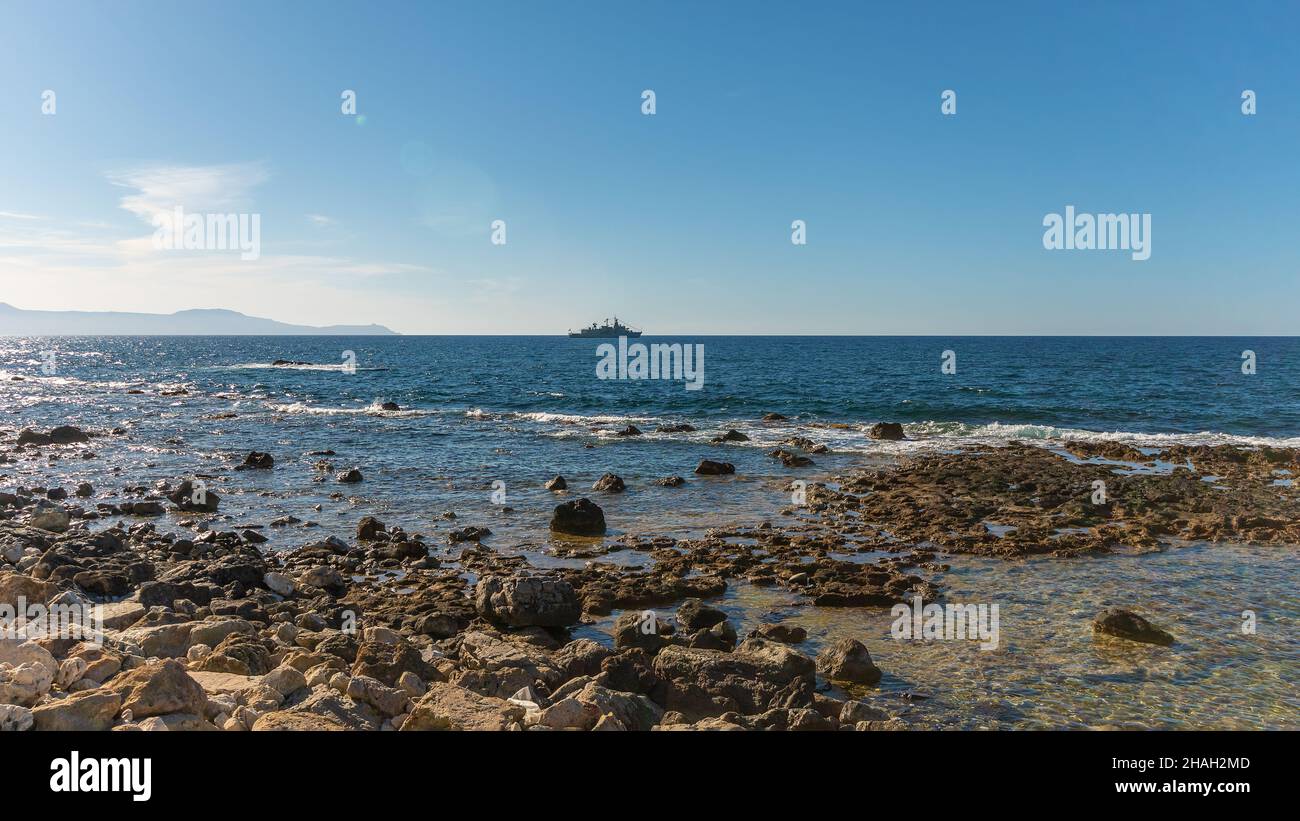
(1050, 672)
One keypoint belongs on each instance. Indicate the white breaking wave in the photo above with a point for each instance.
(310, 366)
(296, 408)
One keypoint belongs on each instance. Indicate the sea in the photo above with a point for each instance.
(484, 421)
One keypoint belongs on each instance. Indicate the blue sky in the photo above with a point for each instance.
(679, 222)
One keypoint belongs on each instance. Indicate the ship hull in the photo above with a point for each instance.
(603, 334)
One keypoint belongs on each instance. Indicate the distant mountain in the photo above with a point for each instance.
(197, 322)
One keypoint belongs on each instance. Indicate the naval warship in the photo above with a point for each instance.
(606, 331)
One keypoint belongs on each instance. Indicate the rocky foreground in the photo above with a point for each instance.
(201, 630)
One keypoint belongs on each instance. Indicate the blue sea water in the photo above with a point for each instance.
(484, 421)
(518, 410)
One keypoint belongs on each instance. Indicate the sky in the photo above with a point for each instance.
(680, 221)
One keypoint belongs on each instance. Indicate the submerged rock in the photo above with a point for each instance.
(892, 431)
(257, 460)
(557, 483)
(1126, 624)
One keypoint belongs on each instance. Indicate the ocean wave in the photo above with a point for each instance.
(373, 409)
(297, 366)
(996, 431)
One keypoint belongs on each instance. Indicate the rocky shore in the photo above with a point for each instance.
(198, 628)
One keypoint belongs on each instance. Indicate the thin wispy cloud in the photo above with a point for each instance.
(161, 188)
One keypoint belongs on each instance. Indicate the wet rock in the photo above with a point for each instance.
(522, 601)
(580, 517)
(784, 633)
(678, 427)
(630, 430)
(27, 436)
(1126, 624)
(789, 459)
(191, 498)
(85, 489)
(642, 630)
(773, 417)
(891, 431)
(609, 483)
(557, 483)
(848, 660)
(696, 615)
(257, 460)
(369, 529)
(708, 467)
(468, 534)
(350, 476)
(731, 435)
(670, 481)
(389, 406)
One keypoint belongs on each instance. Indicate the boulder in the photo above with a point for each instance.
(52, 518)
(847, 660)
(731, 435)
(158, 688)
(298, 721)
(580, 517)
(350, 476)
(258, 460)
(609, 483)
(200, 499)
(15, 719)
(89, 710)
(68, 435)
(527, 601)
(557, 483)
(449, 707)
(708, 467)
(752, 679)
(696, 615)
(892, 431)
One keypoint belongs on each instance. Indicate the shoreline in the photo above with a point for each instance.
(390, 629)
